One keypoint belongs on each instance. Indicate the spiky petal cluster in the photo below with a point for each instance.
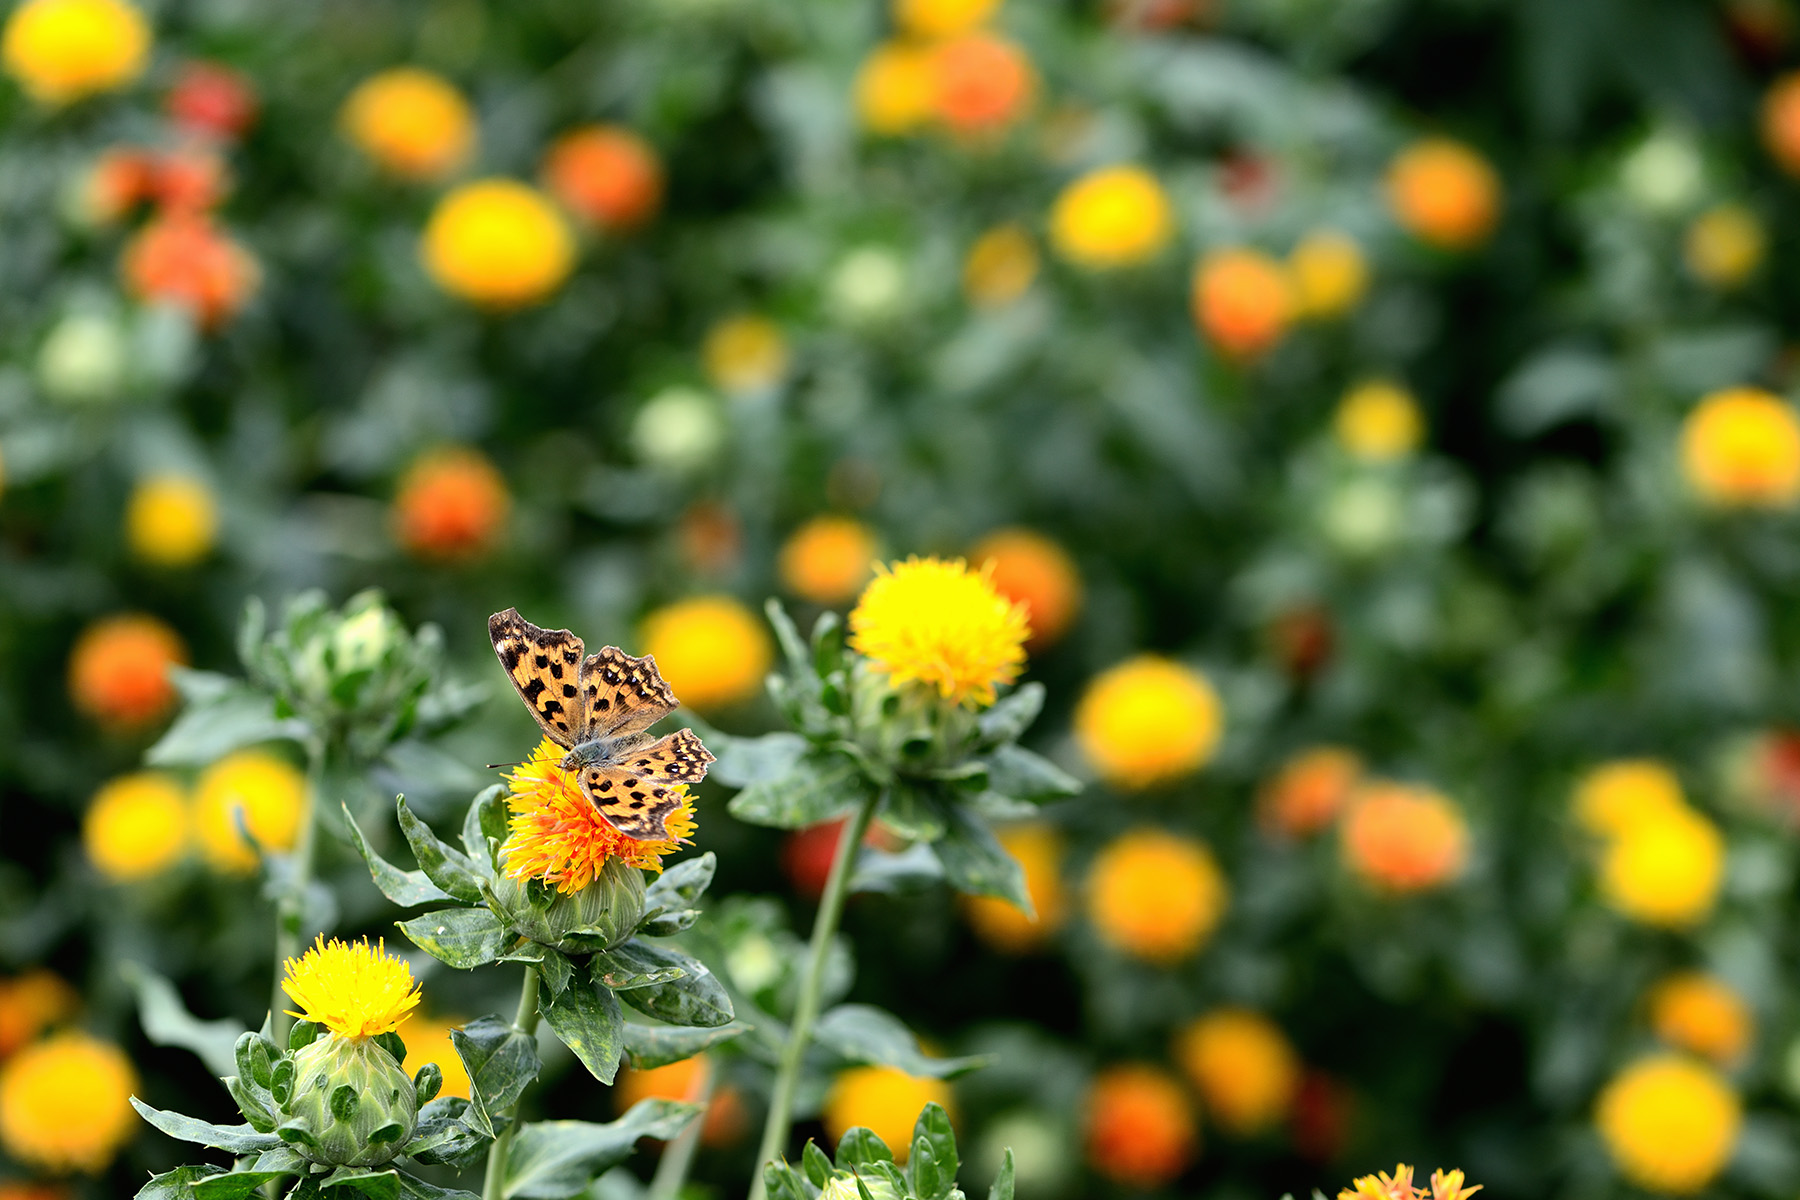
(943, 625)
(1445, 1185)
(352, 988)
(555, 833)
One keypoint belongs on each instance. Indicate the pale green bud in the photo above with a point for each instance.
(350, 1103)
(598, 917)
(83, 359)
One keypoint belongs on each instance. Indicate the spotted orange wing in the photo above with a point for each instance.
(637, 793)
(545, 666)
(625, 695)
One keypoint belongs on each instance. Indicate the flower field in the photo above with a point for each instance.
(1106, 598)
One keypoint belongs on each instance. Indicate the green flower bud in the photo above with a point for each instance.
(350, 1104)
(598, 917)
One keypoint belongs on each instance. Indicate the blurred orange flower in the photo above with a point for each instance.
(685, 1082)
(942, 18)
(451, 505)
(1243, 301)
(183, 258)
(119, 670)
(1670, 1123)
(1243, 1066)
(31, 1003)
(999, 266)
(1404, 838)
(1039, 851)
(212, 100)
(606, 175)
(1030, 569)
(65, 1103)
(1140, 1128)
(712, 650)
(1781, 122)
(982, 83)
(412, 122)
(1329, 274)
(1444, 193)
(1696, 1012)
(1157, 896)
(828, 559)
(1309, 791)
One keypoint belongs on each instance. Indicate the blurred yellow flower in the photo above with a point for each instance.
(555, 834)
(1039, 851)
(884, 1100)
(171, 520)
(1155, 895)
(942, 18)
(64, 1103)
(1309, 791)
(1724, 246)
(136, 826)
(62, 50)
(999, 266)
(1444, 193)
(828, 559)
(745, 354)
(497, 243)
(31, 1003)
(412, 122)
(1243, 1066)
(711, 650)
(427, 1040)
(941, 625)
(1740, 447)
(1404, 838)
(1378, 421)
(1148, 720)
(1615, 797)
(1666, 869)
(119, 669)
(896, 87)
(1112, 217)
(1242, 301)
(1030, 569)
(1695, 1012)
(1329, 274)
(267, 791)
(1670, 1123)
(1140, 1128)
(352, 988)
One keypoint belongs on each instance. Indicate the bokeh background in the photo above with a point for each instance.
(1381, 406)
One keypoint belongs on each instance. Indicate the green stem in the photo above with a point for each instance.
(526, 1022)
(806, 1010)
(290, 908)
(672, 1171)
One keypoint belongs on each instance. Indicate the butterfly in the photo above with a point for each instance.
(597, 707)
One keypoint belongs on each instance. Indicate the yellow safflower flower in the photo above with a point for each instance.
(1039, 851)
(712, 651)
(497, 243)
(745, 354)
(999, 266)
(884, 1100)
(1155, 895)
(268, 791)
(62, 50)
(65, 1103)
(1112, 217)
(1615, 797)
(1148, 720)
(1669, 1123)
(827, 560)
(555, 834)
(351, 988)
(1665, 870)
(941, 625)
(1696, 1012)
(896, 88)
(412, 122)
(942, 18)
(1724, 246)
(1740, 447)
(1243, 1066)
(1329, 274)
(171, 520)
(1444, 193)
(136, 826)
(1378, 420)
(427, 1040)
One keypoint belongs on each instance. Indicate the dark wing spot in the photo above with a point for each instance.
(551, 707)
(638, 796)
(637, 803)
(568, 690)
(533, 690)
(605, 785)
(556, 670)
(571, 655)
(509, 653)
(543, 660)
(602, 704)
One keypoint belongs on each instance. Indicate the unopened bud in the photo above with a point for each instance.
(348, 1103)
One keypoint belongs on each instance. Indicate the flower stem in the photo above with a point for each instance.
(526, 1022)
(290, 908)
(672, 1171)
(806, 1010)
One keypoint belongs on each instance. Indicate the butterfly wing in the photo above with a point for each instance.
(625, 695)
(545, 666)
(637, 793)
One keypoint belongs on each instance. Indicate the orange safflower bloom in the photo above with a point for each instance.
(31, 1003)
(119, 670)
(685, 1082)
(1781, 122)
(1403, 838)
(451, 505)
(183, 259)
(1140, 1127)
(1243, 301)
(1030, 569)
(213, 100)
(828, 559)
(983, 83)
(606, 175)
(1444, 193)
(1309, 791)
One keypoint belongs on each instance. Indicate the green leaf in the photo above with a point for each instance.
(914, 810)
(816, 1166)
(859, 1148)
(501, 1062)
(788, 635)
(167, 1022)
(742, 761)
(681, 885)
(233, 1186)
(450, 869)
(552, 1160)
(443, 1135)
(695, 998)
(911, 870)
(239, 1139)
(405, 888)
(782, 1182)
(863, 1033)
(461, 937)
(1011, 715)
(649, 1046)
(976, 864)
(219, 715)
(177, 1184)
(810, 792)
(932, 1130)
(587, 1019)
(555, 969)
(1017, 772)
(924, 1176)
(485, 820)
(376, 1185)
(1003, 1182)
(280, 1159)
(414, 1188)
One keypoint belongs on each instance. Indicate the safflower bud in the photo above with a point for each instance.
(596, 917)
(347, 1102)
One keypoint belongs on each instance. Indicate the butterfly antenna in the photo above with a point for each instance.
(497, 766)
